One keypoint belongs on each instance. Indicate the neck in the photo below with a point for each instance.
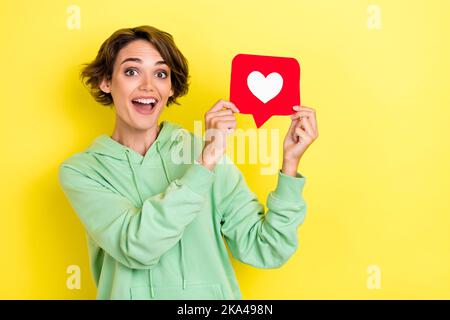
(138, 140)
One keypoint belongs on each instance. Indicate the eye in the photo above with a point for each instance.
(163, 73)
(127, 72)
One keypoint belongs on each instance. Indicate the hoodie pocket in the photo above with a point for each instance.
(191, 292)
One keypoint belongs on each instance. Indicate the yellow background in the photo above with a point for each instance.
(377, 178)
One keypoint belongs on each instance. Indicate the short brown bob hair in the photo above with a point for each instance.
(102, 67)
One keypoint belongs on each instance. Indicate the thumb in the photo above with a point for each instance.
(291, 130)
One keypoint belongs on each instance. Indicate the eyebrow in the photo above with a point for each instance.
(140, 61)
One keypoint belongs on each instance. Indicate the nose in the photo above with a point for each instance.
(146, 83)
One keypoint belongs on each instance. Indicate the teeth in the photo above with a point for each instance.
(145, 101)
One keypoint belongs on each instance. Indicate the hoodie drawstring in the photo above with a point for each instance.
(183, 263)
(130, 163)
(183, 269)
(152, 291)
(133, 170)
(166, 173)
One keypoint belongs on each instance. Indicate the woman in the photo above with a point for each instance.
(155, 226)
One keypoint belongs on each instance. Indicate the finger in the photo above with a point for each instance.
(311, 115)
(226, 124)
(307, 126)
(304, 108)
(313, 122)
(294, 124)
(226, 112)
(300, 114)
(217, 120)
(223, 104)
(304, 137)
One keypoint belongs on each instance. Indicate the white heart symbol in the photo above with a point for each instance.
(265, 88)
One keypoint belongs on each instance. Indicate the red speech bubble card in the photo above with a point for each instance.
(264, 86)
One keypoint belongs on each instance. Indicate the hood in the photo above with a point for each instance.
(169, 135)
(106, 146)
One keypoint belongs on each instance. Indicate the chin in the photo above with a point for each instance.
(144, 125)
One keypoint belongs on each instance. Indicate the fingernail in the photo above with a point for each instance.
(296, 108)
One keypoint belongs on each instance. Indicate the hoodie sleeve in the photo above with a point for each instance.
(263, 240)
(136, 237)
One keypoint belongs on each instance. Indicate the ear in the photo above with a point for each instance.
(171, 92)
(105, 86)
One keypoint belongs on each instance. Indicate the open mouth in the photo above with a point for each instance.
(144, 106)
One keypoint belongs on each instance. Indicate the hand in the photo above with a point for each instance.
(219, 121)
(301, 133)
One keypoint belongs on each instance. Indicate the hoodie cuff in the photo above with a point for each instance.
(198, 178)
(289, 188)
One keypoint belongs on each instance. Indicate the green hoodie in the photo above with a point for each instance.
(155, 227)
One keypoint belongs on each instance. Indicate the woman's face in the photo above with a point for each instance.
(140, 85)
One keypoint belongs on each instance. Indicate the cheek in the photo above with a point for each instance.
(121, 90)
(165, 88)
